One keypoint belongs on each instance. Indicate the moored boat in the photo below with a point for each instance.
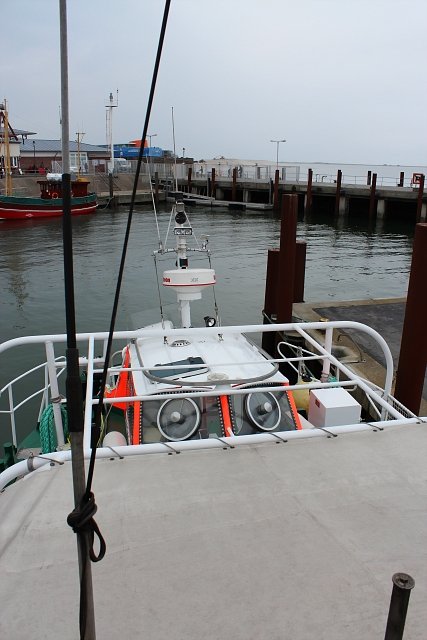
(49, 203)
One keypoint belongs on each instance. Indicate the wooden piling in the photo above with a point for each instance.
(111, 184)
(189, 175)
(213, 186)
(420, 197)
(308, 197)
(270, 298)
(299, 278)
(413, 348)
(368, 179)
(276, 191)
(338, 192)
(372, 197)
(234, 185)
(401, 179)
(285, 280)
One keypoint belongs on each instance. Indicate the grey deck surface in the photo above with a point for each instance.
(282, 541)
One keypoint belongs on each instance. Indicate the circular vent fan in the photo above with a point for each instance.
(178, 418)
(263, 410)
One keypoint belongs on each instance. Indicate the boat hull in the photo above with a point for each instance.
(24, 208)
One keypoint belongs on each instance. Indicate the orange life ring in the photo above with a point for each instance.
(54, 194)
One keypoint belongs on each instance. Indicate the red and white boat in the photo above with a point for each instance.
(49, 203)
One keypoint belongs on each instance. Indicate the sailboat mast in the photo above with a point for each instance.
(73, 383)
(6, 144)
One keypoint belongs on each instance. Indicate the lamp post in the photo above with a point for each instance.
(183, 152)
(277, 150)
(149, 136)
(34, 155)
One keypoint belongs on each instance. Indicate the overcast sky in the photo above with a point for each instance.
(340, 80)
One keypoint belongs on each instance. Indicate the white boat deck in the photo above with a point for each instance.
(297, 540)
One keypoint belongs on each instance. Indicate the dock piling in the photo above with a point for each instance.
(213, 184)
(372, 197)
(368, 179)
(234, 186)
(420, 197)
(276, 191)
(401, 179)
(308, 197)
(285, 280)
(413, 347)
(338, 192)
(189, 176)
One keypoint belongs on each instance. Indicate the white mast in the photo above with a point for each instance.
(109, 126)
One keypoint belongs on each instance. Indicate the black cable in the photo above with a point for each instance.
(98, 412)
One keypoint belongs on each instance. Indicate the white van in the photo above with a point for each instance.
(121, 164)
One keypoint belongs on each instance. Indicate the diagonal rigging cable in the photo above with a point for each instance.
(98, 411)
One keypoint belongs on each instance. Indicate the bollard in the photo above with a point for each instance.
(413, 348)
(285, 280)
(276, 191)
(372, 197)
(401, 179)
(368, 180)
(402, 586)
(308, 198)
(338, 192)
(420, 197)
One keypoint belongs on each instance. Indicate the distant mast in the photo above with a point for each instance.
(4, 120)
(109, 128)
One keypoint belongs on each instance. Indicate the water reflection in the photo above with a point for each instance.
(346, 259)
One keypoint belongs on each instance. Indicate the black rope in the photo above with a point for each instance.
(97, 422)
(82, 522)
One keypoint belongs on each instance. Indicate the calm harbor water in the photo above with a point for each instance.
(345, 260)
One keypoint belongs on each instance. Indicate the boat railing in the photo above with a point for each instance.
(93, 347)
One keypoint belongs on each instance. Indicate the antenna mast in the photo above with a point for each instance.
(109, 123)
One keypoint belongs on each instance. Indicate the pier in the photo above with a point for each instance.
(339, 197)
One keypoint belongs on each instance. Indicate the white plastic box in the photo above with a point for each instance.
(332, 407)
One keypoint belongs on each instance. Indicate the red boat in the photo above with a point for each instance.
(49, 203)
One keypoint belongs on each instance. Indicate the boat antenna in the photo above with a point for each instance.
(81, 519)
(174, 151)
(96, 429)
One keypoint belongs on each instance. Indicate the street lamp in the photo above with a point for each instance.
(277, 151)
(149, 136)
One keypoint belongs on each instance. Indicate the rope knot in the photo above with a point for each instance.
(81, 521)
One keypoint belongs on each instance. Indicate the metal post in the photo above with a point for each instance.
(285, 281)
(368, 180)
(73, 382)
(54, 392)
(372, 197)
(413, 348)
(420, 197)
(338, 192)
(156, 187)
(401, 179)
(402, 587)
